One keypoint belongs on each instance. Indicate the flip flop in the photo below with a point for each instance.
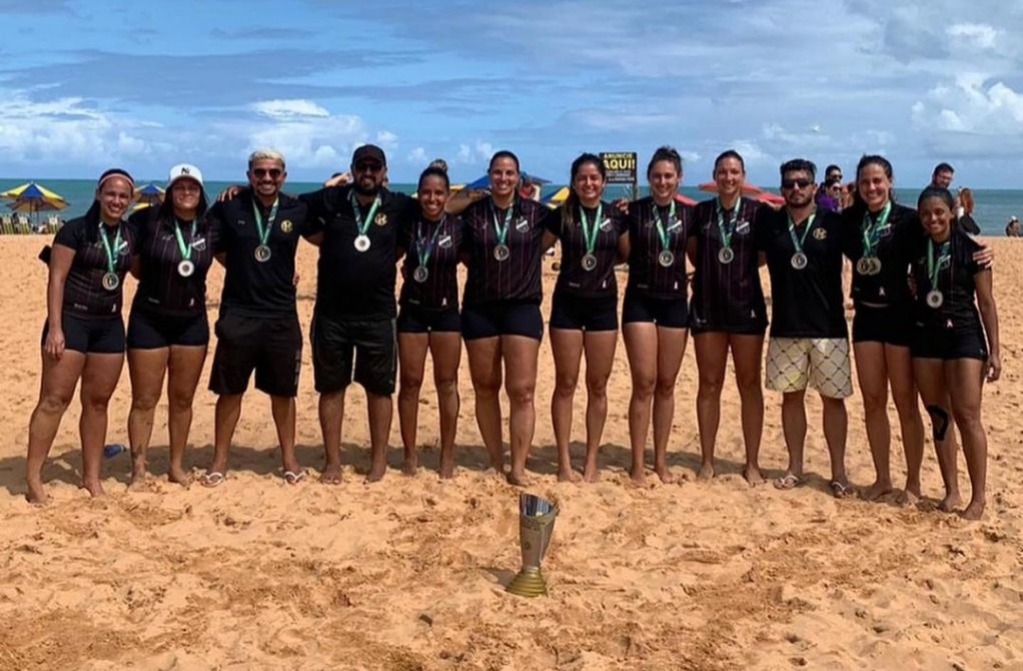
(212, 479)
(840, 490)
(293, 478)
(787, 481)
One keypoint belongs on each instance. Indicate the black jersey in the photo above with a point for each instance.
(727, 295)
(647, 275)
(162, 287)
(805, 303)
(956, 271)
(891, 241)
(516, 278)
(350, 282)
(440, 244)
(574, 277)
(84, 293)
(252, 287)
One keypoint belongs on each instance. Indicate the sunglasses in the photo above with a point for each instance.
(368, 167)
(795, 183)
(273, 173)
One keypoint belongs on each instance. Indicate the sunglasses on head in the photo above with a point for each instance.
(795, 183)
(273, 173)
(368, 167)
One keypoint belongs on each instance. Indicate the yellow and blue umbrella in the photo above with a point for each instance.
(150, 194)
(33, 198)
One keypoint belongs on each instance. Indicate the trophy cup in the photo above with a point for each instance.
(536, 524)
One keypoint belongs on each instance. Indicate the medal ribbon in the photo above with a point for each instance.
(502, 231)
(263, 228)
(186, 250)
(591, 231)
(423, 248)
(872, 229)
(934, 268)
(798, 242)
(363, 226)
(111, 251)
(727, 231)
(661, 232)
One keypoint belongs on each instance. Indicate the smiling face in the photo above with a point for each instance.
(798, 188)
(936, 217)
(664, 179)
(368, 175)
(874, 186)
(729, 176)
(504, 177)
(433, 196)
(114, 195)
(185, 194)
(266, 177)
(588, 184)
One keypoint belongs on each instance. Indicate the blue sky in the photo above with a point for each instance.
(87, 85)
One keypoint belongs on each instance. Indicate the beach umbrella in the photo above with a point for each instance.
(769, 198)
(557, 197)
(33, 199)
(685, 200)
(32, 190)
(747, 189)
(150, 194)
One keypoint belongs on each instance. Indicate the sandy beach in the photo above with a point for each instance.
(408, 574)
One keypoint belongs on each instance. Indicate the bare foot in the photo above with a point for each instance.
(752, 475)
(909, 499)
(138, 473)
(447, 467)
(497, 464)
(95, 488)
(974, 511)
(568, 475)
(518, 479)
(180, 476)
(638, 475)
(36, 493)
(950, 503)
(706, 471)
(876, 490)
(665, 475)
(591, 473)
(410, 465)
(331, 474)
(376, 473)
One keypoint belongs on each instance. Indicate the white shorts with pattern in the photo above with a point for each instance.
(823, 363)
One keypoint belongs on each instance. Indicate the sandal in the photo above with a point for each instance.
(788, 481)
(293, 478)
(212, 479)
(841, 490)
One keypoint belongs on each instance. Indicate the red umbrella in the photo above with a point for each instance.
(685, 200)
(769, 198)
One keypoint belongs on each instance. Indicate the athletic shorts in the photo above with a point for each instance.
(947, 345)
(148, 330)
(491, 320)
(823, 363)
(667, 312)
(270, 346)
(344, 350)
(890, 325)
(584, 313)
(412, 319)
(91, 335)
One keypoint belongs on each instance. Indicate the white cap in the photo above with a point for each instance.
(183, 170)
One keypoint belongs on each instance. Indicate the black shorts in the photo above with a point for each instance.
(667, 312)
(272, 346)
(891, 325)
(148, 330)
(946, 344)
(369, 345)
(491, 320)
(584, 313)
(412, 319)
(91, 335)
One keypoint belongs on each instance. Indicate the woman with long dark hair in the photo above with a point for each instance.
(584, 309)
(168, 331)
(84, 333)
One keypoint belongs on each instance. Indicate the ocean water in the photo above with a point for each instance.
(992, 211)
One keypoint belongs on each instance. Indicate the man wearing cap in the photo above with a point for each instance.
(168, 332)
(258, 328)
(361, 229)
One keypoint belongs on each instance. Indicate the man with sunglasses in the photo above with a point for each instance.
(809, 345)
(362, 230)
(258, 327)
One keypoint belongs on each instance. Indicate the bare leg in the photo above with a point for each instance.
(332, 412)
(930, 378)
(446, 350)
(904, 393)
(671, 347)
(747, 353)
(485, 371)
(641, 347)
(283, 410)
(381, 409)
(99, 379)
(56, 389)
(146, 368)
(711, 359)
(836, 429)
(600, 355)
(412, 348)
(793, 423)
(229, 409)
(567, 346)
(872, 371)
(520, 361)
(966, 390)
(185, 369)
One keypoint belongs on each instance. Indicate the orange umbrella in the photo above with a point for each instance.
(685, 200)
(747, 189)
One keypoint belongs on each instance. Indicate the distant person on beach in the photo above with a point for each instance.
(827, 197)
(1013, 229)
(728, 312)
(956, 346)
(942, 176)
(964, 212)
(258, 328)
(83, 337)
(809, 344)
(168, 331)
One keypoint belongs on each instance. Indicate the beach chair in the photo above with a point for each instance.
(6, 225)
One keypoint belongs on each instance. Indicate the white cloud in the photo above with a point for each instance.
(417, 156)
(289, 109)
(980, 34)
(476, 154)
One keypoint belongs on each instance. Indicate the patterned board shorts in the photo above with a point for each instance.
(823, 363)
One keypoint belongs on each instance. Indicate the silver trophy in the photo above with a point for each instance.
(536, 525)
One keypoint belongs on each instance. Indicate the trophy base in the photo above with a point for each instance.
(528, 583)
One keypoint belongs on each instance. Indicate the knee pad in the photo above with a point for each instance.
(939, 422)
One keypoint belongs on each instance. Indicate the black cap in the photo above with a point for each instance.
(370, 152)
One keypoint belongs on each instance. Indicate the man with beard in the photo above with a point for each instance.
(362, 230)
(809, 344)
(256, 237)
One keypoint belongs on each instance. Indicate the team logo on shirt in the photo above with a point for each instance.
(199, 244)
(287, 226)
(380, 219)
(444, 242)
(820, 234)
(605, 225)
(742, 227)
(521, 225)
